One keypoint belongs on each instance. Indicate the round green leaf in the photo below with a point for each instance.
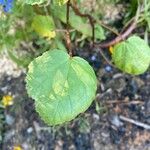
(62, 86)
(132, 56)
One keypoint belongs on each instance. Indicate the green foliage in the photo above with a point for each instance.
(132, 56)
(14, 30)
(62, 86)
(78, 23)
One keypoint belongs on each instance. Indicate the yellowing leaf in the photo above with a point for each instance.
(7, 100)
(44, 26)
(111, 49)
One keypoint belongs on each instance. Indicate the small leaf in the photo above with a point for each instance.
(34, 2)
(132, 56)
(62, 86)
(44, 26)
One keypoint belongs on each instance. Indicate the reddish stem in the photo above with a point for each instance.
(120, 37)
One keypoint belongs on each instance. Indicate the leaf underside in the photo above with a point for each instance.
(62, 86)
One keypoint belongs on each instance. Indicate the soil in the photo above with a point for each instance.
(99, 128)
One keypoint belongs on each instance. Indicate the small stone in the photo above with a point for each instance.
(95, 116)
(108, 68)
(116, 121)
(4, 89)
(30, 130)
(9, 119)
(109, 90)
(106, 135)
(26, 146)
(143, 108)
(93, 58)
